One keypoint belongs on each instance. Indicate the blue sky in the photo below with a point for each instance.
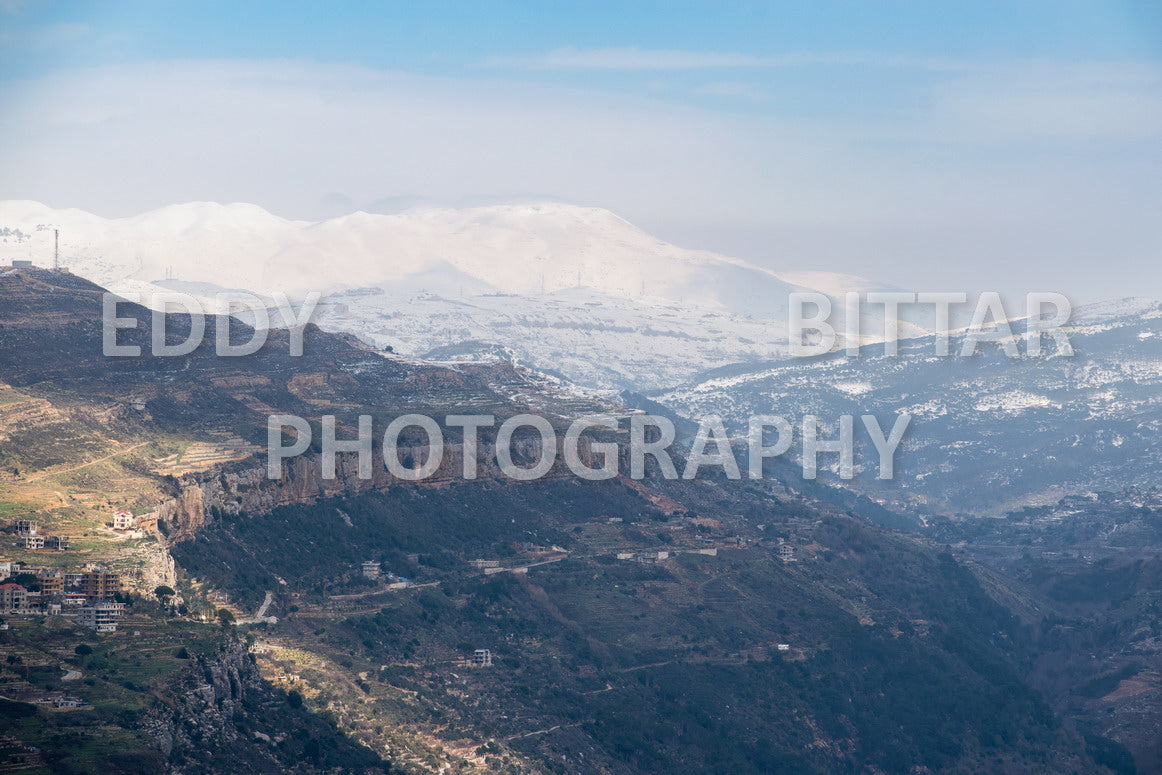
(442, 37)
(934, 143)
(845, 45)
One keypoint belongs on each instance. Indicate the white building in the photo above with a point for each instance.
(33, 541)
(652, 557)
(483, 564)
(372, 570)
(787, 553)
(482, 658)
(101, 617)
(123, 520)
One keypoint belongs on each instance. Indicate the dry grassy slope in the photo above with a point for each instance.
(82, 434)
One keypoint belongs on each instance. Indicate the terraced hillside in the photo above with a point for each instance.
(83, 434)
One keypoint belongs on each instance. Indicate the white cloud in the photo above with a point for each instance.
(629, 58)
(634, 58)
(732, 89)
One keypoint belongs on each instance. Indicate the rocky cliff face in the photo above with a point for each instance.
(200, 708)
(218, 715)
(245, 488)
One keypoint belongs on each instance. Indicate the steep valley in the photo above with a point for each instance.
(472, 626)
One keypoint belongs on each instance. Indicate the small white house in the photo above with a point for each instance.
(651, 557)
(123, 520)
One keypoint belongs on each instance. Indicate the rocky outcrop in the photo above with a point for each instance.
(156, 569)
(218, 715)
(200, 708)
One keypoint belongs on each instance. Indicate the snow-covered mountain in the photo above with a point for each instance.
(581, 293)
(988, 432)
(509, 249)
(576, 290)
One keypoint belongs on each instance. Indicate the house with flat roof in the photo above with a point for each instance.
(51, 582)
(100, 584)
(13, 597)
(101, 617)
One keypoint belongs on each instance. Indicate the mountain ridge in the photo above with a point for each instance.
(573, 239)
(586, 292)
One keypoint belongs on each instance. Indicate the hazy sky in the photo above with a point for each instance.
(934, 145)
